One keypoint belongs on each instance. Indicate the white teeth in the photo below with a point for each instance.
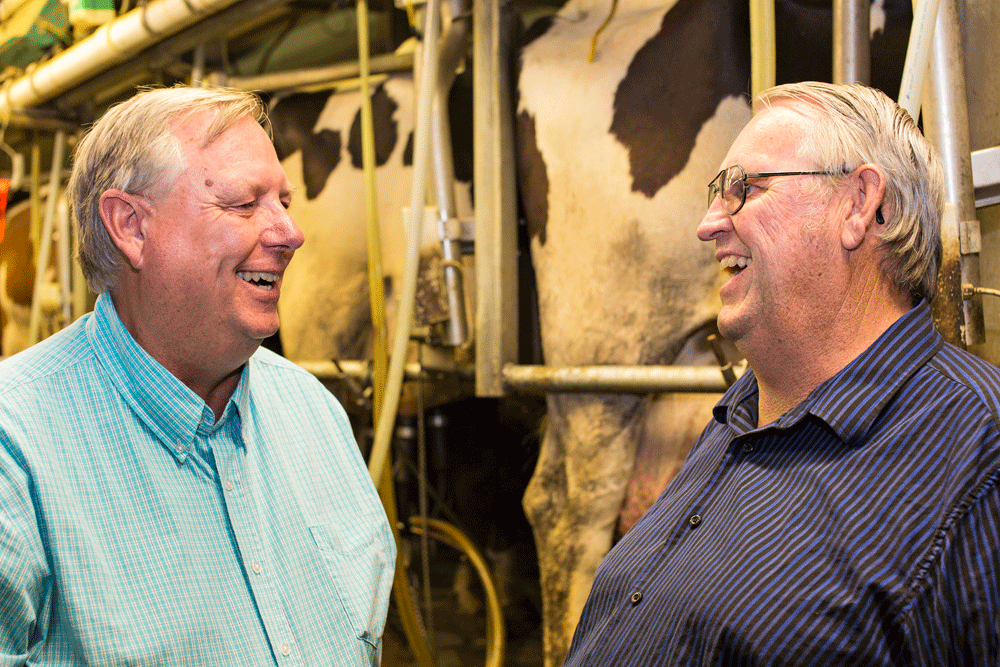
(259, 278)
(733, 261)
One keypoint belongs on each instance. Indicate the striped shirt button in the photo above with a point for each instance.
(285, 650)
(694, 519)
(636, 597)
(181, 447)
(747, 447)
(228, 483)
(256, 567)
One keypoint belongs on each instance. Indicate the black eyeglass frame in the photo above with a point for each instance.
(714, 189)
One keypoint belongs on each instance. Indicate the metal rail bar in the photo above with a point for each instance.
(617, 379)
(545, 379)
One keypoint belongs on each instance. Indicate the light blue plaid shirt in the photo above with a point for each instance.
(134, 530)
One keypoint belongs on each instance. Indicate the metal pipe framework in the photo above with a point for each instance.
(545, 379)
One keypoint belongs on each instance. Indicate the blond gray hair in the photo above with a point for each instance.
(132, 148)
(862, 125)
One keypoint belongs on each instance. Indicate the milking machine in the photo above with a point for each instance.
(436, 72)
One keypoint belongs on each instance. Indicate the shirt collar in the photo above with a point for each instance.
(853, 398)
(168, 407)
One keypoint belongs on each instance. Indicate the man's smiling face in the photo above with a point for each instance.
(218, 241)
(778, 247)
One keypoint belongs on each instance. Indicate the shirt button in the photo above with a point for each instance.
(181, 447)
(256, 567)
(694, 519)
(747, 447)
(228, 483)
(285, 650)
(636, 597)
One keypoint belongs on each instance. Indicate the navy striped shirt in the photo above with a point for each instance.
(860, 528)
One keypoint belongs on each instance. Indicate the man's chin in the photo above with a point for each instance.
(260, 331)
(732, 324)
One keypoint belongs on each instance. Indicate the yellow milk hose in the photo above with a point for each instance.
(386, 392)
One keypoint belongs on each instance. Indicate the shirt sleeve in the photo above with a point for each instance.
(954, 618)
(25, 581)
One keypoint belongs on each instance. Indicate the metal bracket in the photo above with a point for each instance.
(986, 176)
(970, 242)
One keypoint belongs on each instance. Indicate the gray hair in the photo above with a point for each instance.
(132, 148)
(862, 125)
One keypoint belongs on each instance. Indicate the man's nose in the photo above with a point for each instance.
(283, 231)
(715, 222)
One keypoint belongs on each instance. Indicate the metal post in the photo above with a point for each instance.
(44, 250)
(449, 51)
(851, 42)
(946, 124)
(496, 224)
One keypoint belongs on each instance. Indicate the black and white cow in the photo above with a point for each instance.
(614, 158)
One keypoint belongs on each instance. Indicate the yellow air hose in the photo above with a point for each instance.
(383, 480)
(762, 54)
(386, 391)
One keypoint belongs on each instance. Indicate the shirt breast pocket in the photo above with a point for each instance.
(362, 575)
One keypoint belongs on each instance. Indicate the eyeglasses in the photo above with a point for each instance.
(731, 185)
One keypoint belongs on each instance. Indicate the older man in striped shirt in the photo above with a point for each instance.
(842, 507)
(171, 493)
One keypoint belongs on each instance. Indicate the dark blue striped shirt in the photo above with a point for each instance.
(861, 528)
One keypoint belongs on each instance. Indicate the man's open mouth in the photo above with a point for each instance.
(733, 264)
(259, 278)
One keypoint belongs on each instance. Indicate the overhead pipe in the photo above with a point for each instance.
(165, 56)
(312, 76)
(112, 43)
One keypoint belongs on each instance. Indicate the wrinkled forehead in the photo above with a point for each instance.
(192, 130)
(776, 136)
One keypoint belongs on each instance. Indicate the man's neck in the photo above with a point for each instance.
(211, 371)
(790, 365)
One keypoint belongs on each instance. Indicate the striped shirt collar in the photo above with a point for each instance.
(168, 407)
(851, 400)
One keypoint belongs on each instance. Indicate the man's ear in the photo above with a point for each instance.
(866, 194)
(124, 217)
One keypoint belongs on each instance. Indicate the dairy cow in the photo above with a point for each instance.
(614, 158)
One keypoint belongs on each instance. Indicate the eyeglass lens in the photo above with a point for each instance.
(731, 185)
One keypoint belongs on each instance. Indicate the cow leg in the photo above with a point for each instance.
(573, 501)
